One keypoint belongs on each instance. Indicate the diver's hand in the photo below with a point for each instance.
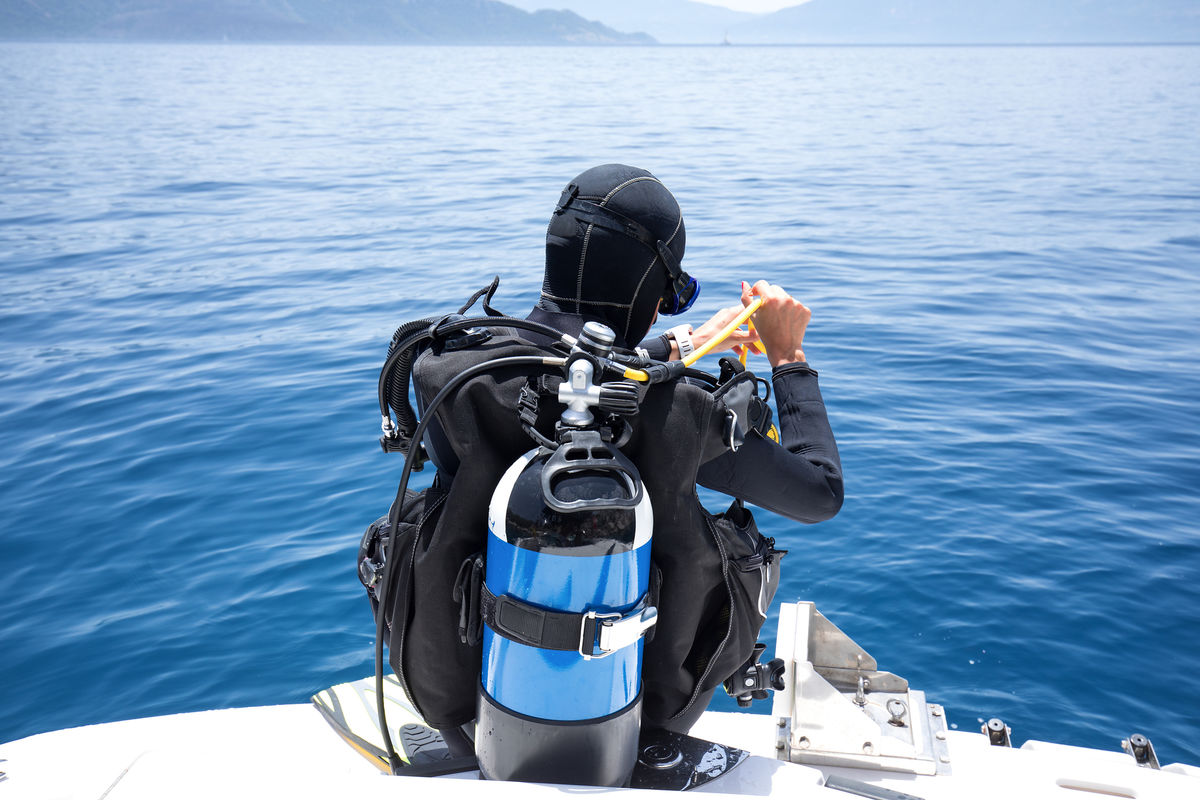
(781, 322)
(735, 341)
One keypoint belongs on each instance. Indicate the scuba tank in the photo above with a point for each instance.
(565, 599)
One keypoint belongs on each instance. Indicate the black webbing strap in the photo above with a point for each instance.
(537, 627)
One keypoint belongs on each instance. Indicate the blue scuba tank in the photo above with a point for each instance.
(565, 609)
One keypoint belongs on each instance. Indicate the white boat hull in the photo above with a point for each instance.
(811, 744)
(290, 751)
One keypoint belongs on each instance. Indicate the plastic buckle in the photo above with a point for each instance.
(566, 198)
(730, 433)
(527, 405)
(369, 573)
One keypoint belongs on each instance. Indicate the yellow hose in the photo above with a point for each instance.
(726, 332)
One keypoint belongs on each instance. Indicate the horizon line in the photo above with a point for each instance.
(640, 45)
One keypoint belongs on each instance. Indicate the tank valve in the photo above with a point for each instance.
(597, 339)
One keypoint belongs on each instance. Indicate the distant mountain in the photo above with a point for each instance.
(959, 22)
(668, 21)
(369, 21)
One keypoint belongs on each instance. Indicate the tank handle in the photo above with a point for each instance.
(586, 451)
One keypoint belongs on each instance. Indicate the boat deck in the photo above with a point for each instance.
(290, 751)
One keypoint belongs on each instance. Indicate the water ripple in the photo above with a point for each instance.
(204, 258)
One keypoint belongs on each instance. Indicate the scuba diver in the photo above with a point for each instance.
(476, 586)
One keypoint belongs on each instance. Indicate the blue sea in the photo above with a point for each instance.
(205, 249)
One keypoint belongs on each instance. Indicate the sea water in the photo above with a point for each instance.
(204, 250)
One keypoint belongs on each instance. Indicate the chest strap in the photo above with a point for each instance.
(591, 634)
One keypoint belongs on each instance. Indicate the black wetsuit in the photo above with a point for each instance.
(802, 479)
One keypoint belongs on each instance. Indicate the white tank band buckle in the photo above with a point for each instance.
(615, 632)
(682, 334)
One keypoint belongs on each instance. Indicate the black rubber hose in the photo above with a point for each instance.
(414, 338)
(389, 568)
(397, 384)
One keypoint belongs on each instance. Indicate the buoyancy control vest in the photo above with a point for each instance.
(713, 586)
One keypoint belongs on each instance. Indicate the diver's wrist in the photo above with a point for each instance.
(782, 359)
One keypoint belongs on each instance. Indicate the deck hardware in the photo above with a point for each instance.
(837, 704)
(999, 734)
(1142, 750)
(860, 696)
(897, 709)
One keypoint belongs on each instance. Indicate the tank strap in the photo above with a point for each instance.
(591, 634)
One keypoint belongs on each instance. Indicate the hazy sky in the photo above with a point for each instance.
(754, 6)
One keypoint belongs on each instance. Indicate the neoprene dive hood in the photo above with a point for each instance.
(613, 252)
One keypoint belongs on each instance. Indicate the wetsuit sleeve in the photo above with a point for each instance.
(659, 347)
(802, 479)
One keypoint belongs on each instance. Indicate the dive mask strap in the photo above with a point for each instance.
(684, 286)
